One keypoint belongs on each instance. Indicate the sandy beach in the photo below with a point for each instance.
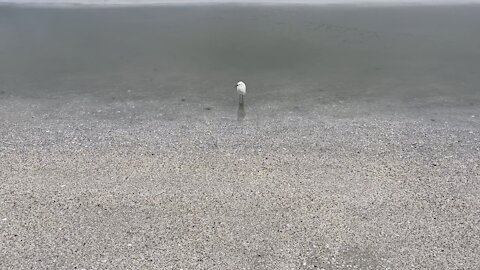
(123, 145)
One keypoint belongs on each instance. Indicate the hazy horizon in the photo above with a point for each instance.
(144, 2)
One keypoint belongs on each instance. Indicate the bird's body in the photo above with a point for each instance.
(241, 90)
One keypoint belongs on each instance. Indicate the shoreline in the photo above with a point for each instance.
(127, 4)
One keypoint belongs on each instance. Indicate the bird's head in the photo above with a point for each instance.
(240, 83)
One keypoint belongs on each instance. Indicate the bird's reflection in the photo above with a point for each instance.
(241, 112)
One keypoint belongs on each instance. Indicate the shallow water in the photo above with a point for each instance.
(282, 52)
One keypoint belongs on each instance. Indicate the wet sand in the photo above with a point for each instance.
(123, 145)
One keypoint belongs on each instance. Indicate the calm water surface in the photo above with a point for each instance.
(280, 51)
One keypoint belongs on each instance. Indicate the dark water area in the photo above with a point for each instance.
(282, 52)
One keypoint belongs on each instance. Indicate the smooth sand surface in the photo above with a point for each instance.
(372, 164)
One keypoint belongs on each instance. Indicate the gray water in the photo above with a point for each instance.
(282, 52)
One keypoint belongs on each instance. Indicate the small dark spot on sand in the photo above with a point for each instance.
(434, 165)
(433, 120)
(182, 99)
(296, 107)
(153, 154)
(2, 92)
(207, 108)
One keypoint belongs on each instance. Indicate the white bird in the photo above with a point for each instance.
(241, 90)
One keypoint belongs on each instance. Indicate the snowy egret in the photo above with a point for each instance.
(241, 90)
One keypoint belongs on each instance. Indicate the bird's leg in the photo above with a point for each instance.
(241, 99)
